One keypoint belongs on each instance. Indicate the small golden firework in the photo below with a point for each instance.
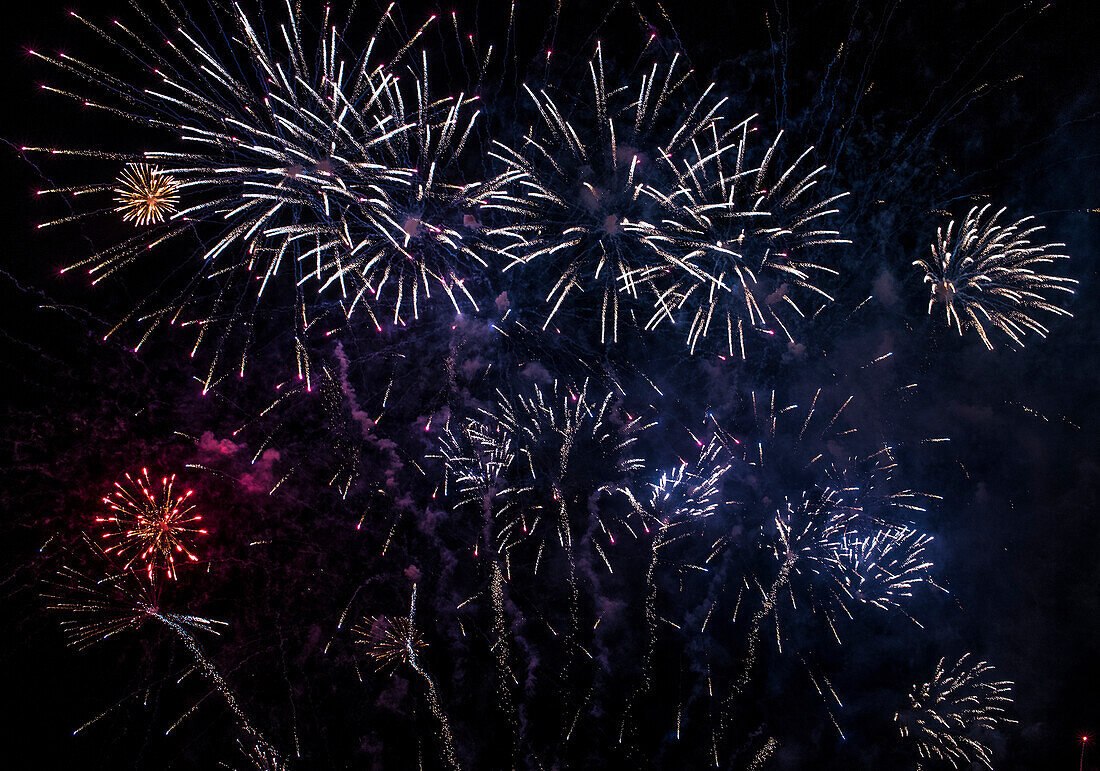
(389, 641)
(145, 195)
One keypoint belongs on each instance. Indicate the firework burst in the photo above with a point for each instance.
(753, 234)
(391, 642)
(569, 447)
(577, 180)
(290, 163)
(96, 609)
(884, 568)
(951, 717)
(691, 491)
(438, 244)
(990, 275)
(145, 195)
(150, 524)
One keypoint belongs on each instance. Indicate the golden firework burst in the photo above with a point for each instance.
(145, 195)
(389, 641)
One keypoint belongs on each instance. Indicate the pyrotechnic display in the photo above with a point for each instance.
(150, 524)
(987, 274)
(551, 386)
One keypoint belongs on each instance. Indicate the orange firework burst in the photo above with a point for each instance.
(145, 195)
(151, 525)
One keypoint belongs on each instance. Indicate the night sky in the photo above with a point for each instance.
(927, 108)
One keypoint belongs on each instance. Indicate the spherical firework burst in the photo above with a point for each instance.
(990, 275)
(951, 716)
(577, 183)
(150, 524)
(752, 233)
(145, 195)
(289, 153)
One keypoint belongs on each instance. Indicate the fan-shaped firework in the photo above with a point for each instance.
(475, 460)
(990, 275)
(807, 535)
(751, 232)
(951, 717)
(389, 641)
(882, 569)
(568, 448)
(145, 195)
(150, 524)
(98, 608)
(577, 183)
(691, 491)
(289, 163)
(680, 500)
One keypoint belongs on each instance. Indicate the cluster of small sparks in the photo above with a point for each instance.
(990, 275)
(150, 524)
(951, 716)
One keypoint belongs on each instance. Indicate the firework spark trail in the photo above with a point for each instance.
(262, 752)
(763, 754)
(576, 186)
(985, 273)
(680, 500)
(808, 535)
(299, 166)
(749, 233)
(476, 463)
(395, 641)
(150, 525)
(952, 715)
(557, 452)
(97, 609)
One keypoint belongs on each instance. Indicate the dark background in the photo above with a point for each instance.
(1017, 532)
